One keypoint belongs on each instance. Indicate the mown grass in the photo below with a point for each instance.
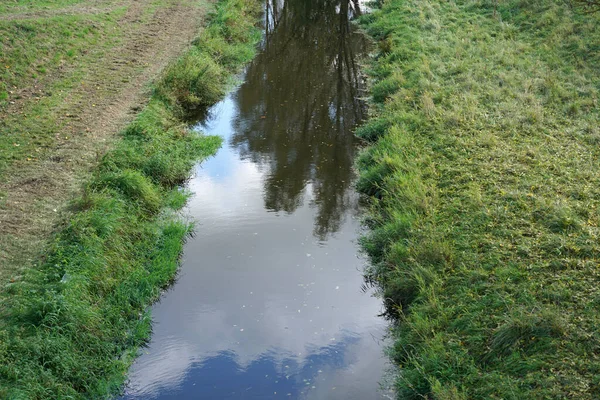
(483, 180)
(35, 50)
(35, 5)
(71, 327)
(36, 46)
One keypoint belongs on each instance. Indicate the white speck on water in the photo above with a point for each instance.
(256, 233)
(332, 339)
(242, 330)
(298, 310)
(307, 254)
(319, 371)
(337, 288)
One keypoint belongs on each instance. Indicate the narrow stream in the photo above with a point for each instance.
(268, 303)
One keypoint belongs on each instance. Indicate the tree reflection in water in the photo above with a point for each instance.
(300, 104)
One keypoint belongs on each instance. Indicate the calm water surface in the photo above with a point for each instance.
(268, 304)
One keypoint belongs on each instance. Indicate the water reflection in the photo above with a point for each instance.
(269, 304)
(299, 104)
(269, 376)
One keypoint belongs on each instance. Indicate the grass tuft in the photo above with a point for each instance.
(134, 186)
(195, 80)
(525, 331)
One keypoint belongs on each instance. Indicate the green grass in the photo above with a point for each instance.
(484, 187)
(31, 47)
(58, 49)
(35, 5)
(72, 326)
(55, 38)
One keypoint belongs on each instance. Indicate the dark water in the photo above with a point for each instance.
(269, 303)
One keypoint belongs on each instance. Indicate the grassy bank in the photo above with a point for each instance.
(484, 183)
(71, 327)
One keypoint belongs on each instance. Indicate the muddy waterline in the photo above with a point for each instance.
(268, 303)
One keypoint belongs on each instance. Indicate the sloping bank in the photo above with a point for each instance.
(71, 327)
(484, 185)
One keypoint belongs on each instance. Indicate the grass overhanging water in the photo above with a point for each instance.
(484, 190)
(71, 327)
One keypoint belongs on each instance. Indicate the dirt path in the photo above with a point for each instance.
(90, 118)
